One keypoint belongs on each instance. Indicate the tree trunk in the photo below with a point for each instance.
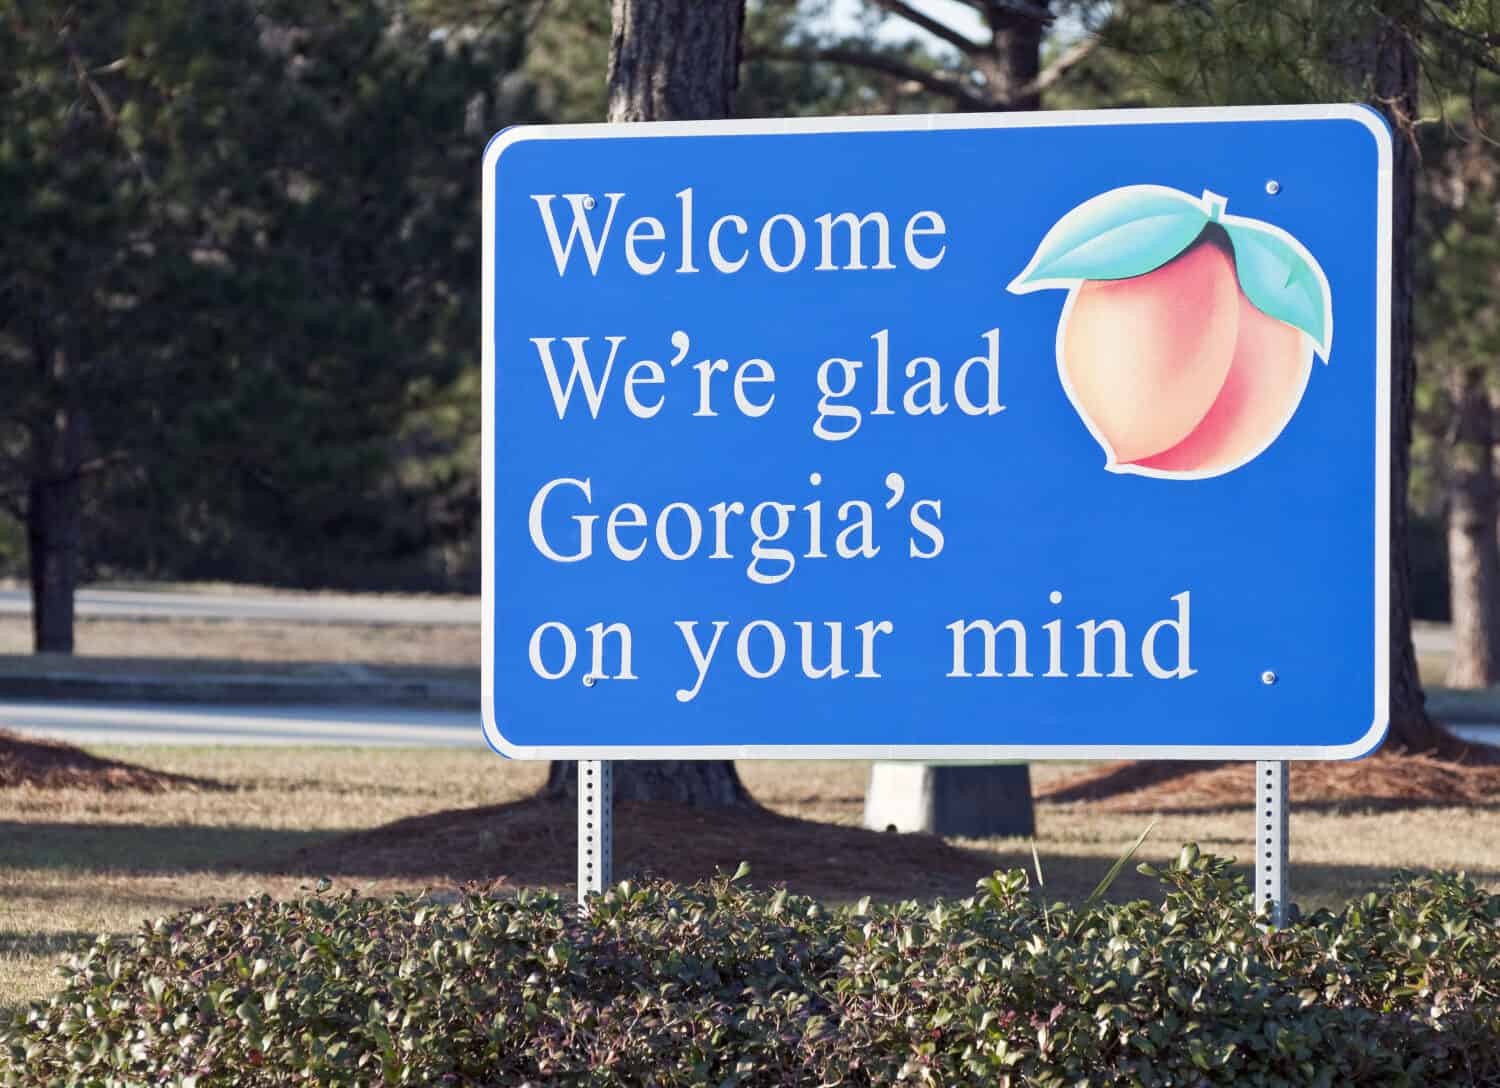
(54, 515)
(1473, 550)
(700, 783)
(670, 60)
(51, 534)
(1396, 86)
(674, 60)
(1013, 57)
(52, 531)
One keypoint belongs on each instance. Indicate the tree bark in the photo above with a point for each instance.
(1396, 88)
(54, 515)
(1473, 550)
(1012, 59)
(698, 783)
(670, 60)
(52, 537)
(674, 60)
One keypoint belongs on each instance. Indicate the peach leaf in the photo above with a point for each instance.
(1122, 233)
(1282, 279)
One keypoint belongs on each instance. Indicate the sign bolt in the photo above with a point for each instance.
(1268, 677)
(1273, 187)
(588, 680)
(588, 203)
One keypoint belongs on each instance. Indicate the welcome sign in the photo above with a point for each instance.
(1055, 435)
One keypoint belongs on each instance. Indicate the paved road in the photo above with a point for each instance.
(1433, 638)
(287, 607)
(106, 723)
(99, 723)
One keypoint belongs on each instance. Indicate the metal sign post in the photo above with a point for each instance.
(596, 827)
(1271, 839)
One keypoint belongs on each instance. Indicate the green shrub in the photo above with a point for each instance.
(718, 985)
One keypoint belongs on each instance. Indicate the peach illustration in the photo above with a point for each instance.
(1144, 358)
(1187, 340)
(1271, 365)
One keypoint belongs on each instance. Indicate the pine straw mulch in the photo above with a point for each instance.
(53, 765)
(532, 843)
(1384, 780)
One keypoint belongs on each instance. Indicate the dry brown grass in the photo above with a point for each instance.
(75, 863)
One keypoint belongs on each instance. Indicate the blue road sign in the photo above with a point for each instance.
(1055, 435)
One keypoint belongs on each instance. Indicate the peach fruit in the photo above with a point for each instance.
(1267, 376)
(1144, 359)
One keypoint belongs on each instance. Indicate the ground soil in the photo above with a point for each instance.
(47, 764)
(531, 842)
(1380, 781)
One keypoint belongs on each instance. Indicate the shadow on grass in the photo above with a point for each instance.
(141, 848)
(1340, 807)
(1382, 782)
(1072, 878)
(36, 956)
(532, 843)
(54, 946)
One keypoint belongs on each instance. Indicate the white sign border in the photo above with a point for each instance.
(1361, 115)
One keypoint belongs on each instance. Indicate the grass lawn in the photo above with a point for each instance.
(75, 863)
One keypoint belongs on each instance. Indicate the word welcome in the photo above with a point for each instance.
(780, 241)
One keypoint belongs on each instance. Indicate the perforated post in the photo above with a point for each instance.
(596, 827)
(1271, 839)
